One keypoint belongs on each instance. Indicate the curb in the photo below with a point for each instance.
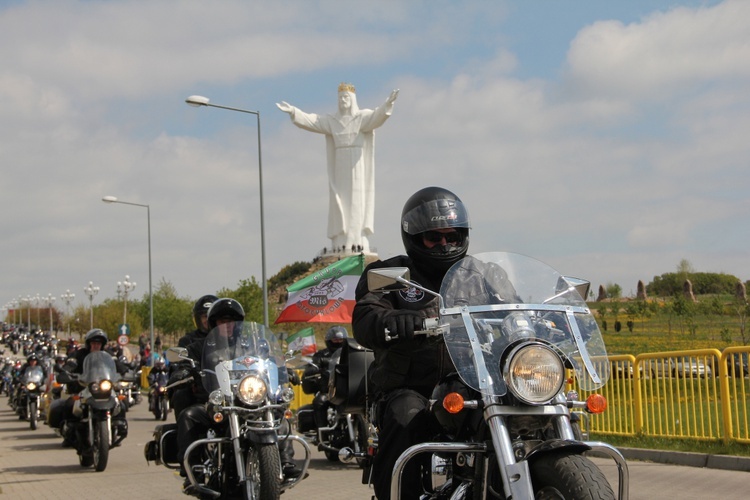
(725, 462)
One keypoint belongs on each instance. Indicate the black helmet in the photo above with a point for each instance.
(335, 337)
(434, 208)
(201, 307)
(32, 357)
(96, 334)
(225, 309)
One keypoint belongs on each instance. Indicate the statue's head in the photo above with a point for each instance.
(347, 98)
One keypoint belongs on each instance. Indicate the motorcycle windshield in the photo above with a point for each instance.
(236, 349)
(98, 366)
(33, 374)
(494, 300)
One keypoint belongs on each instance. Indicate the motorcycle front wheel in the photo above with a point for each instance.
(32, 414)
(569, 476)
(263, 472)
(101, 445)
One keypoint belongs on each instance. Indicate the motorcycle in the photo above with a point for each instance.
(345, 434)
(512, 326)
(244, 372)
(100, 422)
(29, 392)
(158, 401)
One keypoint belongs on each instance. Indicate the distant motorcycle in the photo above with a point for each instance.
(158, 401)
(29, 395)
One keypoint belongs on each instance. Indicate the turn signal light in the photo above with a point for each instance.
(453, 402)
(596, 403)
(218, 417)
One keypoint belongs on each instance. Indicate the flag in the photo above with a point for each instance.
(326, 296)
(302, 342)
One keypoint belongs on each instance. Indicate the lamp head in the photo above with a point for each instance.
(109, 199)
(197, 100)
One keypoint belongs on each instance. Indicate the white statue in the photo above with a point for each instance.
(350, 145)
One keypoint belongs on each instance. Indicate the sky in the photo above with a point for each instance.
(607, 139)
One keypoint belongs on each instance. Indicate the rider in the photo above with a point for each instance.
(435, 233)
(317, 374)
(32, 361)
(183, 396)
(194, 421)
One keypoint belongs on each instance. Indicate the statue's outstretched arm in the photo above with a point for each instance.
(285, 107)
(392, 97)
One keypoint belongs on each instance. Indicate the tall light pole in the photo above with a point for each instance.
(91, 290)
(197, 101)
(28, 301)
(123, 290)
(37, 301)
(50, 300)
(68, 297)
(113, 199)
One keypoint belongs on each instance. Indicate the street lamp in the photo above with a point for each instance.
(50, 301)
(113, 199)
(37, 301)
(28, 301)
(91, 290)
(197, 101)
(123, 289)
(68, 297)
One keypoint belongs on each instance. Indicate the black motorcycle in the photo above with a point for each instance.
(344, 434)
(158, 401)
(29, 393)
(99, 422)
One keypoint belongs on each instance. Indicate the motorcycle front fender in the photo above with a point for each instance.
(262, 437)
(554, 445)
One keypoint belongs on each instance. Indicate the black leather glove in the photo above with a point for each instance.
(293, 376)
(402, 323)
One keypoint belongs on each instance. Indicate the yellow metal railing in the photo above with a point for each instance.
(698, 394)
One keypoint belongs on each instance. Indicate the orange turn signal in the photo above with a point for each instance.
(453, 402)
(596, 403)
(218, 417)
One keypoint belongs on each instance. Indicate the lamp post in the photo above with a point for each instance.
(91, 290)
(197, 101)
(50, 301)
(28, 301)
(68, 297)
(37, 301)
(123, 289)
(113, 199)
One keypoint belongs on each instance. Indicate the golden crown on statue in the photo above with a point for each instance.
(346, 87)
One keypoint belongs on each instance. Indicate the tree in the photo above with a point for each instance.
(250, 296)
(614, 291)
(172, 314)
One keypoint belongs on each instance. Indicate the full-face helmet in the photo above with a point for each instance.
(225, 309)
(429, 209)
(201, 307)
(97, 334)
(335, 337)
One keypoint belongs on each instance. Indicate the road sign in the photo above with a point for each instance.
(124, 329)
(123, 340)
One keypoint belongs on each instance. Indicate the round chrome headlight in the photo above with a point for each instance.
(216, 398)
(534, 373)
(251, 390)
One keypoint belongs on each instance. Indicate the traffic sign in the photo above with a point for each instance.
(123, 340)
(124, 329)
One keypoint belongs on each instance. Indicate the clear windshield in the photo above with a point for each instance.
(33, 374)
(98, 366)
(493, 300)
(235, 349)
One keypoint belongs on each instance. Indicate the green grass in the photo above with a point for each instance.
(654, 443)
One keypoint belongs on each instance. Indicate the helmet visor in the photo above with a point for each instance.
(435, 214)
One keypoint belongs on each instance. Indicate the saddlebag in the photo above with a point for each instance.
(163, 448)
(348, 385)
(306, 419)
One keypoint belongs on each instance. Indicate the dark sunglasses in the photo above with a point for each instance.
(452, 237)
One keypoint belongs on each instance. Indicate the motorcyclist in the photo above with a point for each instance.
(155, 377)
(32, 361)
(194, 421)
(183, 396)
(435, 233)
(317, 374)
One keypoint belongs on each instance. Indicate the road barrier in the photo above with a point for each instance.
(699, 394)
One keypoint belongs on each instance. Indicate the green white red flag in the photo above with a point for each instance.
(325, 296)
(302, 342)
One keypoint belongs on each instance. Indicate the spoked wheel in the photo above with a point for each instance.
(568, 476)
(33, 414)
(263, 471)
(101, 445)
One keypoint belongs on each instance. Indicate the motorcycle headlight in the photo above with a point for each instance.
(216, 398)
(534, 373)
(31, 386)
(105, 385)
(251, 390)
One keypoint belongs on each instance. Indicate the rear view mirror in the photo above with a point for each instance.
(176, 354)
(581, 286)
(388, 278)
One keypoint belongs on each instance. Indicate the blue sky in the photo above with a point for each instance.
(604, 138)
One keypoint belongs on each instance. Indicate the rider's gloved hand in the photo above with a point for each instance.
(402, 323)
(293, 376)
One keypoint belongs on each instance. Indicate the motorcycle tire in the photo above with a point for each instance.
(164, 407)
(101, 445)
(32, 415)
(263, 470)
(568, 475)
(157, 408)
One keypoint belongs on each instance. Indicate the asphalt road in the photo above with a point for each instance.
(34, 465)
